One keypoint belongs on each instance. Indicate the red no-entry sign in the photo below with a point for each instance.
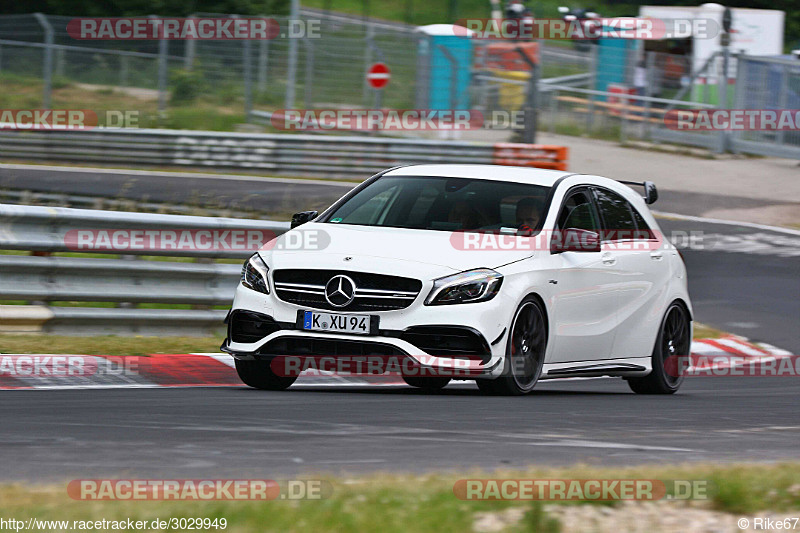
(378, 76)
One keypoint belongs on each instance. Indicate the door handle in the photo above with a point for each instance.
(609, 259)
(656, 256)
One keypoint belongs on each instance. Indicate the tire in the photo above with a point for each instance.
(525, 351)
(429, 383)
(674, 339)
(259, 375)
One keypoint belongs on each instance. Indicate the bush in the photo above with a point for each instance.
(186, 86)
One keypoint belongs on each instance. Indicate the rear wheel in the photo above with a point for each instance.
(259, 375)
(525, 352)
(427, 383)
(674, 340)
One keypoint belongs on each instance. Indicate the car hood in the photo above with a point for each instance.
(418, 253)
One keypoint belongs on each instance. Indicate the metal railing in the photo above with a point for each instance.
(43, 280)
(279, 154)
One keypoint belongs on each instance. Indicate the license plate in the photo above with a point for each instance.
(336, 323)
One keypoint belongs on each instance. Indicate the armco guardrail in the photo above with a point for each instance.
(277, 154)
(126, 281)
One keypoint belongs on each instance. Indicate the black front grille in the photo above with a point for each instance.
(305, 287)
(248, 326)
(448, 341)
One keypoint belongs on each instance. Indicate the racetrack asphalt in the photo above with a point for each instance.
(240, 432)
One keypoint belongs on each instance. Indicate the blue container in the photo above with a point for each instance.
(614, 55)
(435, 89)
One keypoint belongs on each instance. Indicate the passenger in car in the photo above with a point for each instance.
(528, 213)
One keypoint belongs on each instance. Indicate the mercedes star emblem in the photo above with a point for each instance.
(340, 291)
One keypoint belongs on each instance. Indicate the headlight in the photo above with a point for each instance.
(254, 274)
(466, 287)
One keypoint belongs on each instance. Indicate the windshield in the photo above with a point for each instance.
(444, 204)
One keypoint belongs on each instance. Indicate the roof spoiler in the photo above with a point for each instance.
(650, 191)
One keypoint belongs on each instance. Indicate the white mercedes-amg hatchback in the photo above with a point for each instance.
(513, 274)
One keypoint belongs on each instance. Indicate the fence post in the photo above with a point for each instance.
(263, 64)
(592, 85)
(453, 75)
(624, 119)
(162, 71)
(60, 53)
(782, 100)
(308, 94)
(531, 100)
(48, 59)
(247, 71)
(650, 63)
(722, 94)
(291, 75)
(368, 59)
(189, 49)
(123, 70)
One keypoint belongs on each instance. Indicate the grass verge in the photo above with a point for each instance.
(389, 502)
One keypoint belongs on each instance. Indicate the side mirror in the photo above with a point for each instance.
(574, 240)
(302, 217)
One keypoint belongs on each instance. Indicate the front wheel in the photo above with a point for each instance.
(259, 375)
(525, 352)
(674, 340)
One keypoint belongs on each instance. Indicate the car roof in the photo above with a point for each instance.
(534, 176)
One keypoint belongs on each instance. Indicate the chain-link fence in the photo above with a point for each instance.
(768, 83)
(331, 60)
(607, 89)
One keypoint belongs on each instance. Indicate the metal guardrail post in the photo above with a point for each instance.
(47, 73)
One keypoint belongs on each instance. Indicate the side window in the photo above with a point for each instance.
(643, 231)
(617, 215)
(578, 212)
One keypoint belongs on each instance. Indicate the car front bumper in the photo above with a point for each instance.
(398, 335)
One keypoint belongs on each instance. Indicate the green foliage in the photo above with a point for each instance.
(186, 86)
(123, 8)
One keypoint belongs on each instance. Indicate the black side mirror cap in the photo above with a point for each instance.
(302, 217)
(574, 240)
(650, 192)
